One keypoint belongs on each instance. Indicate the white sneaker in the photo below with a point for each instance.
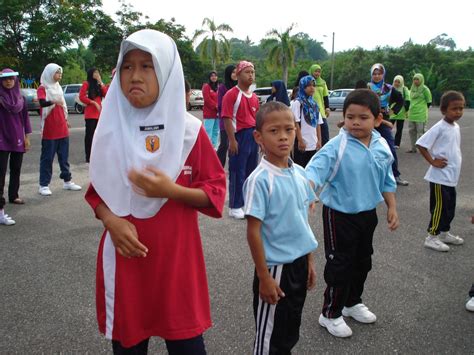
(7, 220)
(71, 186)
(470, 304)
(449, 238)
(44, 191)
(335, 326)
(237, 213)
(360, 313)
(433, 242)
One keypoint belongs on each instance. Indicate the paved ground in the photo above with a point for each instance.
(47, 271)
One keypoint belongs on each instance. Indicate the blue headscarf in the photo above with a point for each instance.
(310, 107)
(382, 89)
(281, 94)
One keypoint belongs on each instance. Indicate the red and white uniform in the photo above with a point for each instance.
(55, 123)
(240, 107)
(164, 294)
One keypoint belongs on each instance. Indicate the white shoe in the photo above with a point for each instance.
(360, 313)
(433, 242)
(71, 186)
(449, 238)
(335, 326)
(470, 304)
(237, 213)
(44, 191)
(7, 220)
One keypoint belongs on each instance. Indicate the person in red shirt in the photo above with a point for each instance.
(91, 94)
(152, 170)
(54, 129)
(239, 108)
(209, 111)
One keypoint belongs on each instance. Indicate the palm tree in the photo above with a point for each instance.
(282, 47)
(216, 46)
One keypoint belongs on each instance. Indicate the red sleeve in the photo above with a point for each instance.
(209, 100)
(41, 93)
(208, 174)
(93, 198)
(228, 104)
(105, 88)
(83, 93)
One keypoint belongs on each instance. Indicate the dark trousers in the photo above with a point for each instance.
(442, 208)
(348, 249)
(91, 125)
(16, 159)
(302, 158)
(398, 136)
(278, 326)
(223, 147)
(49, 148)
(193, 346)
(241, 166)
(471, 291)
(324, 132)
(386, 132)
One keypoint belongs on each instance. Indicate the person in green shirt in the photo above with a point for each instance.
(321, 96)
(420, 101)
(399, 118)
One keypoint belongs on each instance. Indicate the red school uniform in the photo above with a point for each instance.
(164, 294)
(55, 125)
(90, 111)
(210, 102)
(239, 107)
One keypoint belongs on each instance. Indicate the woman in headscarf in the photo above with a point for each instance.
(14, 141)
(152, 169)
(209, 111)
(91, 94)
(279, 93)
(321, 96)
(391, 101)
(399, 118)
(420, 101)
(308, 122)
(230, 80)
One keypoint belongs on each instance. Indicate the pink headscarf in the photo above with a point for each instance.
(11, 99)
(242, 65)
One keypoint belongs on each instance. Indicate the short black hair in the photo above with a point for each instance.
(450, 96)
(266, 109)
(363, 97)
(361, 84)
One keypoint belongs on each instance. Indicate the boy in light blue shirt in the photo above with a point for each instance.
(354, 170)
(277, 198)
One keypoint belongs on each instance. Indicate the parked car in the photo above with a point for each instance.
(71, 92)
(196, 100)
(31, 99)
(337, 98)
(263, 93)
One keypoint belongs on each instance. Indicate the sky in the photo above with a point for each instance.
(356, 23)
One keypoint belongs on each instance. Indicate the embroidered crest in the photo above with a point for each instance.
(152, 143)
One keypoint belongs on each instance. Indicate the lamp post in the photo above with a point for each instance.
(332, 62)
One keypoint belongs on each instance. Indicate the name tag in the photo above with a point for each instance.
(152, 128)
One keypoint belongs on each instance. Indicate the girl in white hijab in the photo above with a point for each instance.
(152, 168)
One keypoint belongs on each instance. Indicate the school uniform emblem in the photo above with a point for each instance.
(152, 143)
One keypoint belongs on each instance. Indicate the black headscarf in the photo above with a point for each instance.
(301, 74)
(213, 84)
(94, 87)
(228, 82)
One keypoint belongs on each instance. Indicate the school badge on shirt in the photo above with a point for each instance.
(152, 143)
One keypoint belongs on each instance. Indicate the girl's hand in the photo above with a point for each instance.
(151, 182)
(125, 237)
(318, 145)
(269, 291)
(439, 163)
(328, 112)
(27, 143)
(97, 106)
(392, 219)
(301, 145)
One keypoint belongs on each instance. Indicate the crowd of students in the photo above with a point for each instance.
(152, 163)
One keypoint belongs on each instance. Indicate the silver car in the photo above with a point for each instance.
(31, 99)
(71, 95)
(337, 98)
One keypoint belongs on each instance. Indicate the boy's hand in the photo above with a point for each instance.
(340, 124)
(311, 276)
(233, 147)
(439, 163)
(269, 291)
(151, 182)
(125, 237)
(392, 219)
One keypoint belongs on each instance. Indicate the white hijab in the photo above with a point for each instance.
(119, 142)
(54, 91)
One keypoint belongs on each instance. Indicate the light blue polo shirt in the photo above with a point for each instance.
(280, 198)
(354, 181)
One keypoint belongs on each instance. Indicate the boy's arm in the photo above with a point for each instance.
(392, 215)
(229, 129)
(269, 290)
(311, 272)
(436, 162)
